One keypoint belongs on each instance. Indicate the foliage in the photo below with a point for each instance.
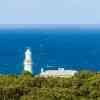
(83, 86)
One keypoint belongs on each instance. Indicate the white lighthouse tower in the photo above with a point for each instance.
(28, 61)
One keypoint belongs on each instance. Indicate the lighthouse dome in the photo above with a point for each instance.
(28, 52)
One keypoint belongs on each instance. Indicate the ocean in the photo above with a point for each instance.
(77, 49)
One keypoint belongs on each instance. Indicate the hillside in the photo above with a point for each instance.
(83, 86)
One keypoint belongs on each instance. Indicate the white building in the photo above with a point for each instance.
(57, 73)
(28, 61)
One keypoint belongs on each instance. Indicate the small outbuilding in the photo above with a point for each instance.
(60, 72)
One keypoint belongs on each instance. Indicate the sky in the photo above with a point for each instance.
(49, 12)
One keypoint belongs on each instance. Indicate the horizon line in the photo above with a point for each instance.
(49, 26)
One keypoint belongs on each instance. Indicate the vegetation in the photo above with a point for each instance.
(83, 86)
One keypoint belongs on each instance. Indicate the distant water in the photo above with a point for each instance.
(73, 49)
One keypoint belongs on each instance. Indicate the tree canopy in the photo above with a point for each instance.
(85, 85)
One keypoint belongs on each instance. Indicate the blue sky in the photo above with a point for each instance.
(49, 11)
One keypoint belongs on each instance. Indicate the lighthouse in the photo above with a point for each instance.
(28, 61)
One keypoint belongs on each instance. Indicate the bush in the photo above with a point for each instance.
(83, 86)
